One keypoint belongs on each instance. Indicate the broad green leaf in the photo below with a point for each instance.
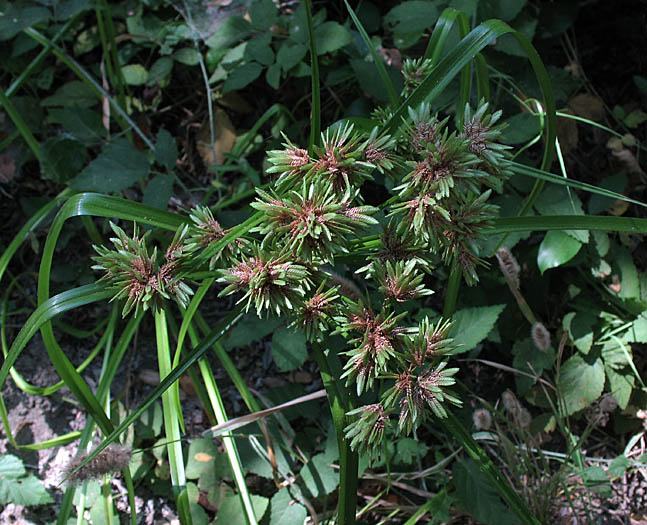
(520, 128)
(526, 25)
(259, 49)
(231, 511)
(250, 328)
(504, 9)
(11, 467)
(331, 36)
(580, 382)
(629, 282)
(285, 509)
(472, 325)
(409, 450)
(15, 18)
(201, 456)
(62, 158)
(135, 74)
(189, 56)
(160, 70)
(288, 349)
(638, 331)
(198, 514)
(598, 203)
(83, 124)
(411, 17)
(478, 497)
(273, 76)
(149, 424)
(17, 488)
(558, 200)
(73, 94)
(166, 150)
(621, 384)
(370, 81)
(242, 76)
(580, 328)
(158, 191)
(619, 466)
(290, 54)
(525, 352)
(641, 83)
(263, 14)
(556, 249)
(233, 30)
(319, 476)
(118, 167)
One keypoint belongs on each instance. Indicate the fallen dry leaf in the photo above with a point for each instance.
(224, 137)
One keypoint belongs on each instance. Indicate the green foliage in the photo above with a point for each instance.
(18, 487)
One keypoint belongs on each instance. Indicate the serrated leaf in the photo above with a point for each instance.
(580, 382)
(242, 76)
(411, 17)
(319, 477)
(231, 511)
(135, 74)
(11, 467)
(556, 249)
(409, 449)
(479, 497)
(331, 36)
(580, 328)
(285, 509)
(118, 167)
(62, 158)
(288, 349)
(472, 325)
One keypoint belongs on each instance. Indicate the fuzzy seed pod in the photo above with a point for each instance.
(114, 458)
(540, 336)
(509, 265)
(482, 419)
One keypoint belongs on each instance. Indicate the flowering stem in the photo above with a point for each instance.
(348, 459)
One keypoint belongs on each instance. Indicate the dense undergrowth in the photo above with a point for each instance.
(391, 194)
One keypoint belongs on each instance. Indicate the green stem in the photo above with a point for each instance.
(505, 490)
(453, 286)
(348, 459)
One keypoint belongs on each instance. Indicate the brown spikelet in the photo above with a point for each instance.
(540, 336)
(482, 419)
(114, 458)
(509, 265)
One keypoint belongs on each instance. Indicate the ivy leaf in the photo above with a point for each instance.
(288, 349)
(472, 325)
(580, 382)
(17, 488)
(556, 249)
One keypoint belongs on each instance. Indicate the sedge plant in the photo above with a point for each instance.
(384, 374)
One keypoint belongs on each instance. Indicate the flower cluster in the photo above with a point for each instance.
(138, 276)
